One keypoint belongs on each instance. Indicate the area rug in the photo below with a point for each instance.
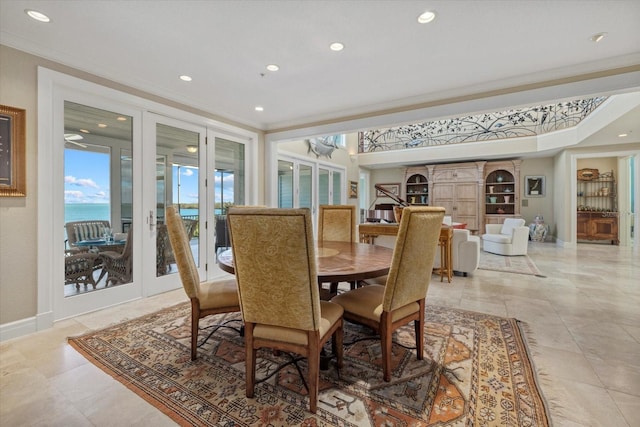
(476, 372)
(520, 264)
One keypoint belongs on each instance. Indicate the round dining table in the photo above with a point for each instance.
(338, 261)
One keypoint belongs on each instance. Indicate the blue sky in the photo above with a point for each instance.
(86, 180)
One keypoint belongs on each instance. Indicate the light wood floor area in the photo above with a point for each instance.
(583, 321)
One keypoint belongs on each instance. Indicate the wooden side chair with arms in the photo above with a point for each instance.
(337, 223)
(275, 265)
(402, 299)
(206, 298)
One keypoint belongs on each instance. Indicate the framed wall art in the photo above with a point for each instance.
(12, 152)
(391, 188)
(534, 186)
(353, 190)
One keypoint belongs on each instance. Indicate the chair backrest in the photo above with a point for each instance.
(182, 252)
(337, 223)
(412, 263)
(509, 224)
(85, 230)
(275, 266)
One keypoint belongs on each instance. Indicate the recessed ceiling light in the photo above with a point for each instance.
(192, 148)
(38, 16)
(426, 17)
(598, 37)
(121, 119)
(336, 46)
(185, 78)
(84, 130)
(272, 67)
(622, 135)
(102, 125)
(259, 108)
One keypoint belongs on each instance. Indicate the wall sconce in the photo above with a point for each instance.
(192, 148)
(353, 158)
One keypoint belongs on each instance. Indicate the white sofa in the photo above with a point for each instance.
(508, 238)
(465, 252)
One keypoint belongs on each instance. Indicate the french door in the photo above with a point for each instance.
(172, 165)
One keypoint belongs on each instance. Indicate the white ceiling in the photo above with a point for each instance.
(389, 60)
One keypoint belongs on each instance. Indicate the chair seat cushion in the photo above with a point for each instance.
(218, 294)
(330, 313)
(366, 302)
(497, 238)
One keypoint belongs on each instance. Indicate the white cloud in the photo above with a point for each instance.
(187, 172)
(82, 182)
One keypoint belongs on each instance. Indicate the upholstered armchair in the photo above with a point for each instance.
(275, 266)
(465, 252)
(402, 300)
(207, 298)
(508, 238)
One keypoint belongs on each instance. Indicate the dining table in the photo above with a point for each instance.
(101, 245)
(338, 261)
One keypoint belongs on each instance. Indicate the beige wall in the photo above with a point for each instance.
(18, 216)
(539, 205)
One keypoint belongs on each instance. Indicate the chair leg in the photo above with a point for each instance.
(195, 321)
(419, 330)
(313, 359)
(250, 365)
(337, 344)
(385, 342)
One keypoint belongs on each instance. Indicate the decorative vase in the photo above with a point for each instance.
(500, 211)
(493, 199)
(506, 199)
(499, 179)
(491, 189)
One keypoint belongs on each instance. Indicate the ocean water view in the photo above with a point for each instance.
(101, 211)
(85, 211)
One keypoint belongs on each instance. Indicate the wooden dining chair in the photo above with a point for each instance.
(402, 300)
(275, 266)
(207, 298)
(337, 223)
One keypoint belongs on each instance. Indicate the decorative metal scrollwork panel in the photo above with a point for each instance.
(507, 124)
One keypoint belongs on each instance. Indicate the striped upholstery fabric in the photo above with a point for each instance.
(85, 230)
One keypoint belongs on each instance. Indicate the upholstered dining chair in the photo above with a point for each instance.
(275, 266)
(402, 300)
(207, 298)
(337, 223)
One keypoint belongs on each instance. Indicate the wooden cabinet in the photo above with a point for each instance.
(416, 186)
(597, 216)
(598, 226)
(457, 188)
(501, 191)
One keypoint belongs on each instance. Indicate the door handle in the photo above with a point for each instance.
(150, 221)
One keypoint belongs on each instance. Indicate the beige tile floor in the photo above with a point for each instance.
(583, 321)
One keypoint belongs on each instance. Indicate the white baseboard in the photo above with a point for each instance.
(18, 328)
(27, 326)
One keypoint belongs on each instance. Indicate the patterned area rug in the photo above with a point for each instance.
(476, 372)
(520, 264)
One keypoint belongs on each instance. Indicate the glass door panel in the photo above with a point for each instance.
(97, 198)
(285, 184)
(177, 184)
(229, 186)
(337, 187)
(305, 179)
(323, 186)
